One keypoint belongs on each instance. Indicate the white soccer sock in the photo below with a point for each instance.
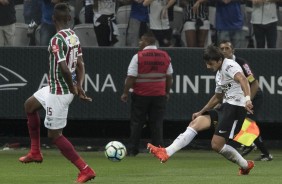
(234, 156)
(181, 141)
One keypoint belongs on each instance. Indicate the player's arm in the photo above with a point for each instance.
(80, 73)
(215, 99)
(129, 82)
(254, 88)
(254, 85)
(240, 77)
(169, 82)
(67, 76)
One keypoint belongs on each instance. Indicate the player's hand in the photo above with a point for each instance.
(249, 106)
(124, 97)
(167, 95)
(74, 90)
(195, 115)
(83, 96)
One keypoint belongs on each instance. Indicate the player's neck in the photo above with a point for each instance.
(60, 27)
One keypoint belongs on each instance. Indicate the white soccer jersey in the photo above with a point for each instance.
(225, 83)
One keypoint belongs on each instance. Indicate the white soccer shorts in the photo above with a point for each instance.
(56, 107)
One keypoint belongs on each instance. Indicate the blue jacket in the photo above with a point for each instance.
(47, 12)
(229, 16)
(139, 12)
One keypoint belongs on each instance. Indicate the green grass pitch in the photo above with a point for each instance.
(189, 166)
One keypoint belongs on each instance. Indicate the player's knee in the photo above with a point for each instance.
(193, 124)
(199, 124)
(28, 106)
(54, 134)
(31, 105)
(215, 146)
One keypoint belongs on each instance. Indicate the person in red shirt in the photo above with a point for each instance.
(150, 76)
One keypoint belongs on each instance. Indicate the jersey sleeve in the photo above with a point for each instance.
(79, 51)
(232, 68)
(169, 69)
(57, 46)
(218, 88)
(133, 67)
(248, 72)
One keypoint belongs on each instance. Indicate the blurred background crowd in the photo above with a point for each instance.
(120, 23)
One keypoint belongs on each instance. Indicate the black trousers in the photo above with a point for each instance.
(146, 109)
(266, 33)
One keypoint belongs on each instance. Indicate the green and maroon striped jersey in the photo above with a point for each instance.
(64, 46)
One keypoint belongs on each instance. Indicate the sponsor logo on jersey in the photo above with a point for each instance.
(247, 69)
(228, 67)
(227, 87)
(222, 131)
(55, 48)
(72, 40)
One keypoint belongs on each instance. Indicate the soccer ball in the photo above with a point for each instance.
(115, 151)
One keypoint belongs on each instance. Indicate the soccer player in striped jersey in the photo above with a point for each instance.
(66, 75)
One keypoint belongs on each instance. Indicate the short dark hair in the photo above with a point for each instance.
(62, 12)
(149, 37)
(212, 53)
(226, 41)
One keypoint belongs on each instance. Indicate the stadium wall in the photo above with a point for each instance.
(24, 70)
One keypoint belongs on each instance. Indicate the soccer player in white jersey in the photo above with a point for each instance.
(233, 89)
(256, 96)
(66, 75)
